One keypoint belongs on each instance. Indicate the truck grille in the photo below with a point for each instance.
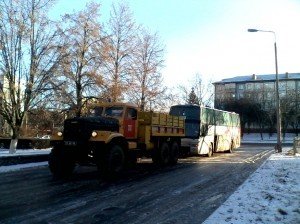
(76, 130)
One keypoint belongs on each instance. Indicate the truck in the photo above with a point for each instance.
(113, 136)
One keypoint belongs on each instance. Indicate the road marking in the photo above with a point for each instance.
(257, 156)
(225, 158)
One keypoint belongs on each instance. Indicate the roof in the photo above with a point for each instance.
(257, 78)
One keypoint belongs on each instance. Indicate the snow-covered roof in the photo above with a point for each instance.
(257, 78)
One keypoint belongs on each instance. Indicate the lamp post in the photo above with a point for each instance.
(278, 146)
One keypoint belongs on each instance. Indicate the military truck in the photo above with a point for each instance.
(114, 135)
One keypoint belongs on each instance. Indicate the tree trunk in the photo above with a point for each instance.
(14, 139)
(13, 146)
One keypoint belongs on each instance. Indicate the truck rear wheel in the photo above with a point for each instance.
(113, 162)
(174, 153)
(162, 155)
(59, 163)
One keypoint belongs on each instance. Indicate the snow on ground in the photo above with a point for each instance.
(269, 195)
(266, 138)
(5, 169)
(24, 152)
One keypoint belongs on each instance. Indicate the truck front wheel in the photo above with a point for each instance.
(113, 162)
(60, 164)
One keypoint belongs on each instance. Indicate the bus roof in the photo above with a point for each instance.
(197, 106)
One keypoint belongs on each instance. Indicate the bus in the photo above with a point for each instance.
(208, 130)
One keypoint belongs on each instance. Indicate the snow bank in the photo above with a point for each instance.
(270, 195)
(25, 152)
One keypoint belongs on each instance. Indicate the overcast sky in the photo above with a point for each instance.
(210, 37)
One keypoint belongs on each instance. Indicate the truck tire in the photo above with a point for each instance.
(174, 153)
(162, 155)
(112, 165)
(59, 164)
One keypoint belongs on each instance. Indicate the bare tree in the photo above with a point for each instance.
(120, 42)
(80, 79)
(146, 80)
(202, 90)
(28, 58)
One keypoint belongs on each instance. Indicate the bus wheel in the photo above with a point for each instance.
(174, 153)
(210, 151)
(232, 146)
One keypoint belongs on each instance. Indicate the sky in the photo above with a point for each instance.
(210, 38)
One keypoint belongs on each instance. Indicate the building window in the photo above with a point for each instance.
(241, 87)
(282, 94)
(249, 86)
(258, 86)
(240, 95)
(270, 95)
(282, 86)
(220, 88)
(260, 96)
(230, 86)
(269, 86)
(291, 85)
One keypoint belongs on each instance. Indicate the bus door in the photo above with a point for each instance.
(130, 123)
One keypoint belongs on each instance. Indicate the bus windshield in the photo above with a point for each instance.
(190, 112)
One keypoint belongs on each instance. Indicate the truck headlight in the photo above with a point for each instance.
(94, 134)
(59, 133)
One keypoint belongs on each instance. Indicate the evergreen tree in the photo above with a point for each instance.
(193, 99)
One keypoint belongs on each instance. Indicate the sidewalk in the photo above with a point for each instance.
(266, 138)
(269, 195)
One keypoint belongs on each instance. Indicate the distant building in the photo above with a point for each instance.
(260, 89)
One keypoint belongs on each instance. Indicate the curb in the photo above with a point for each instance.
(21, 159)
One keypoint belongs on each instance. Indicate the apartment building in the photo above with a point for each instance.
(259, 89)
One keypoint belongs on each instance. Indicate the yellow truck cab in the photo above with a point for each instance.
(113, 135)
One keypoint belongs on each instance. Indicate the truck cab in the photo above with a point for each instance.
(125, 113)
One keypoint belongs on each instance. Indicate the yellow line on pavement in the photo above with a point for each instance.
(257, 156)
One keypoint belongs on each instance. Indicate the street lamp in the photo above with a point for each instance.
(278, 146)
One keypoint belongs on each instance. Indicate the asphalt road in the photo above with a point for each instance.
(186, 193)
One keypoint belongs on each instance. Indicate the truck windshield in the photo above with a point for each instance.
(114, 111)
(95, 112)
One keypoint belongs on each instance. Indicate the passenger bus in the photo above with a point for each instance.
(208, 130)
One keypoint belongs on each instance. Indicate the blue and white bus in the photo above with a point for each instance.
(208, 130)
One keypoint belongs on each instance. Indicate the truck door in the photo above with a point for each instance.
(130, 123)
